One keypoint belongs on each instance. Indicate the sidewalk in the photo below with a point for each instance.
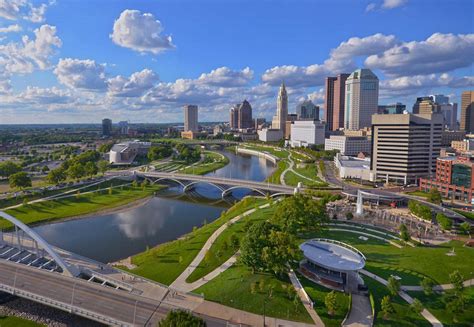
(361, 312)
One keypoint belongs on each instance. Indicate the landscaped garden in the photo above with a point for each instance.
(212, 161)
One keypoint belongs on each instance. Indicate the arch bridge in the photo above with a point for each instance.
(224, 185)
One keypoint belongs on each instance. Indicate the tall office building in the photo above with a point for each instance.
(450, 114)
(106, 127)
(334, 101)
(362, 97)
(123, 125)
(307, 110)
(191, 118)
(234, 117)
(427, 107)
(279, 121)
(440, 98)
(405, 147)
(467, 112)
(416, 105)
(241, 116)
(395, 108)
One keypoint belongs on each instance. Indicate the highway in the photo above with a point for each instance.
(86, 297)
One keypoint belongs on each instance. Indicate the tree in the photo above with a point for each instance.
(56, 175)
(8, 168)
(181, 318)
(416, 306)
(234, 242)
(465, 228)
(386, 306)
(349, 215)
(435, 196)
(104, 148)
(45, 169)
(102, 166)
(444, 221)
(76, 171)
(458, 281)
(90, 168)
(20, 180)
(300, 213)
(393, 285)
(266, 247)
(404, 234)
(427, 285)
(331, 302)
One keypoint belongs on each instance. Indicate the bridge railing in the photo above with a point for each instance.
(62, 306)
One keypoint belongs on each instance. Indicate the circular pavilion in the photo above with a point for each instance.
(332, 263)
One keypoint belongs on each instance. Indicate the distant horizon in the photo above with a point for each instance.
(63, 63)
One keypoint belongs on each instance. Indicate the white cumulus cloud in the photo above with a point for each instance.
(23, 9)
(391, 4)
(134, 86)
(226, 77)
(81, 74)
(11, 29)
(140, 32)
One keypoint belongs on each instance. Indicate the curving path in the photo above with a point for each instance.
(366, 234)
(425, 313)
(442, 287)
(180, 282)
(361, 312)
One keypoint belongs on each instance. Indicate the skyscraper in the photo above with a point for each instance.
(334, 101)
(307, 110)
(234, 117)
(191, 118)
(362, 97)
(106, 127)
(279, 121)
(427, 107)
(467, 112)
(241, 116)
(416, 106)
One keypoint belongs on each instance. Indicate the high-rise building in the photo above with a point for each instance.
(259, 123)
(362, 97)
(395, 108)
(416, 105)
(123, 125)
(307, 132)
(334, 101)
(467, 112)
(289, 121)
(279, 121)
(106, 127)
(405, 147)
(191, 118)
(440, 98)
(241, 116)
(450, 114)
(427, 107)
(307, 110)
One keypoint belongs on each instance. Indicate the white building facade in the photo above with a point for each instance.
(270, 135)
(362, 97)
(348, 145)
(352, 167)
(279, 121)
(307, 132)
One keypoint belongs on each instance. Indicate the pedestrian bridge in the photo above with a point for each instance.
(224, 185)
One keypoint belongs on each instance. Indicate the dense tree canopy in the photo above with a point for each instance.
(8, 168)
(160, 151)
(435, 196)
(181, 318)
(20, 180)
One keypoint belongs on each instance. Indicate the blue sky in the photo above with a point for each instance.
(142, 60)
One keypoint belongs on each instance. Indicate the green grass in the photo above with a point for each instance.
(419, 193)
(12, 321)
(214, 161)
(277, 152)
(293, 180)
(78, 205)
(403, 316)
(317, 294)
(220, 253)
(299, 157)
(167, 261)
(412, 264)
(436, 304)
(468, 215)
(275, 177)
(233, 288)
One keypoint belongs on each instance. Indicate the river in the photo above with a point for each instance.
(163, 218)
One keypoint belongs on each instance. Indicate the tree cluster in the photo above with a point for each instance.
(187, 153)
(435, 196)
(8, 168)
(444, 221)
(159, 152)
(420, 210)
(181, 318)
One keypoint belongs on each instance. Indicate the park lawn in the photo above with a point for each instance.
(218, 161)
(403, 316)
(281, 153)
(12, 321)
(275, 177)
(293, 180)
(77, 205)
(299, 157)
(436, 304)
(418, 193)
(221, 250)
(165, 262)
(317, 294)
(412, 264)
(233, 288)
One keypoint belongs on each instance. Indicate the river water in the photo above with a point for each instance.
(163, 218)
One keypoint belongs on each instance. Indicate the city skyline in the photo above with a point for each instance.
(86, 67)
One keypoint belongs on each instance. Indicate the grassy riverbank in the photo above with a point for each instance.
(212, 161)
(12, 321)
(165, 262)
(79, 204)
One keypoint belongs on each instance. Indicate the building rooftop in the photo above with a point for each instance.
(333, 255)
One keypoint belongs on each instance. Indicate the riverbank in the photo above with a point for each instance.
(212, 161)
(82, 205)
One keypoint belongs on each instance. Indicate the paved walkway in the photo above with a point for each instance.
(425, 313)
(366, 234)
(361, 312)
(305, 299)
(442, 287)
(180, 282)
(282, 176)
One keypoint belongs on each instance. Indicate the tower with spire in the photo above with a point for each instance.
(279, 121)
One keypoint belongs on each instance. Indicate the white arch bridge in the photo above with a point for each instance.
(225, 185)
